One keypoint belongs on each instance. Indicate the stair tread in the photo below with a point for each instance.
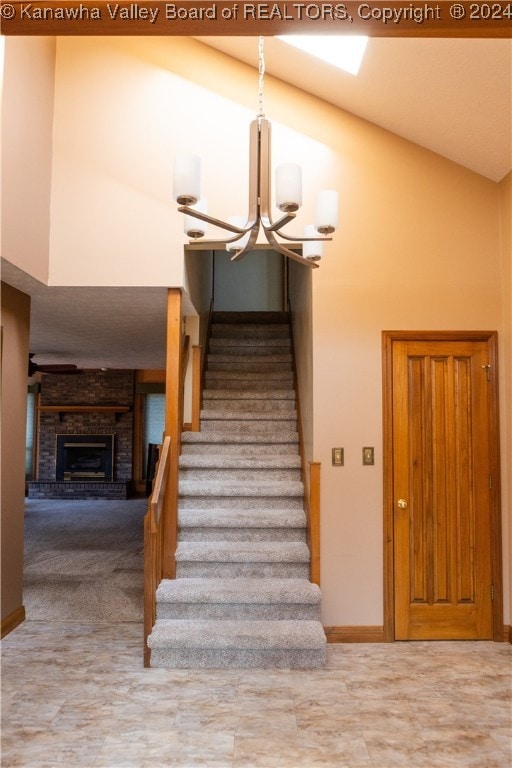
(248, 394)
(215, 517)
(237, 634)
(240, 590)
(243, 551)
(205, 461)
(217, 436)
(240, 489)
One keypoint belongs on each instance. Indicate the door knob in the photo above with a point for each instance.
(402, 504)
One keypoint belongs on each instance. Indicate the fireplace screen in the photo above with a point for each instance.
(84, 457)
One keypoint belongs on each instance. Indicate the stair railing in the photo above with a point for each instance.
(153, 543)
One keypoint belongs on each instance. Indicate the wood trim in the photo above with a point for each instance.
(173, 427)
(507, 633)
(138, 426)
(146, 376)
(13, 620)
(494, 448)
(314, 522)
(387, 453)
(37, 437)
(388, 337)
(365, 634)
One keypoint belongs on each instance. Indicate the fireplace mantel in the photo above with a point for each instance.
(62, 409)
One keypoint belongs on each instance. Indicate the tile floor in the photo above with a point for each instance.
(77, 695)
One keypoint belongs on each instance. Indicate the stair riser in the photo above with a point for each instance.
(240, 437)
(282, 428)
(250, 346)
(241, 534)
(235, 611)
(222, 498)
(249, 367)
(286, 461)
(290, 505)
(229, 405)
(243, 659)
(233, 475)
(200, 570)
(212, 396)
(256, 386)
(219, 420)
(226, 449)
(248, 331)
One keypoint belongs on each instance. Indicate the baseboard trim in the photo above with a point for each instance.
(13, 620)
(365, 634)
(507, 633)
(187, 426)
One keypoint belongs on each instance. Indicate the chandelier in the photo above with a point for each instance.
(288, 177)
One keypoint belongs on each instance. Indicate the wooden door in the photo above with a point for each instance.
(443, 488)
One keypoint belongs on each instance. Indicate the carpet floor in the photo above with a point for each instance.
(84, 561)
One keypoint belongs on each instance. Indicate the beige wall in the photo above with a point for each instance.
(15, 328)
(300, 295)
(114, 150)
(27, 125)
(419, 246)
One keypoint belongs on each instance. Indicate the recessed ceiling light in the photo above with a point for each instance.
(343, 51)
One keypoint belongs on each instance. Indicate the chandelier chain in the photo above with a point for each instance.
(261, 69)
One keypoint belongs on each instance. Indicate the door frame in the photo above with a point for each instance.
(388, 338)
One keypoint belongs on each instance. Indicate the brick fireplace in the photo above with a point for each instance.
(77, 414)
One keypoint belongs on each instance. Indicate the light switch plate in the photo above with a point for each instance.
(368, 456)
(338, 457)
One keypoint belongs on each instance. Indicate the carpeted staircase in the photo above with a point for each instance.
(242, 596)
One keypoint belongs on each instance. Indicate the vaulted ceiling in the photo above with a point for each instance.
(452, 96)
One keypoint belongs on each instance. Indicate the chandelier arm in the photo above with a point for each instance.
(276, 226)
(288, 253)
(249, 245)
(216, 222)
(303, 239)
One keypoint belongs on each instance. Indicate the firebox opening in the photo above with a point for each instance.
(84, 457)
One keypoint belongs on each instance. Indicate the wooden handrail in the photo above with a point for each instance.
(153, 543)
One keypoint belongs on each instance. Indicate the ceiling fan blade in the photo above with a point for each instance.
(50, 367)
(57, 368)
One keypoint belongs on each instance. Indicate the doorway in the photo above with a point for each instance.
(442, 528)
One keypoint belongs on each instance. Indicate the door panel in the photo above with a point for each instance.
(441, 467)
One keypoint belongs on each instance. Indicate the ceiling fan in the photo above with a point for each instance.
(65, 368)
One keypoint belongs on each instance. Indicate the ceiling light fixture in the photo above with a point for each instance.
(187, 193)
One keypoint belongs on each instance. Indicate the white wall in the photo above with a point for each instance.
(27, 126)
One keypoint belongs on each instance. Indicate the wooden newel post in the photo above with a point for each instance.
(173, 428)
(314, 521)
